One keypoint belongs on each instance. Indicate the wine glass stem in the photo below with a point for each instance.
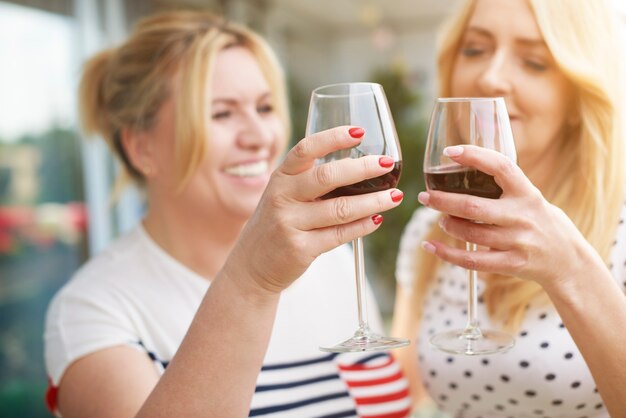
(471, 330)
(359, 269)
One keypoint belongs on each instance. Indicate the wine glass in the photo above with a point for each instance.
(477, 121)
(363, 105)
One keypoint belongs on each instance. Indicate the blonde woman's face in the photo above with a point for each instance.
(245, 139)
(246, 135)
(503, 53)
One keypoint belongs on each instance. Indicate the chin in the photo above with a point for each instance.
(245, 208)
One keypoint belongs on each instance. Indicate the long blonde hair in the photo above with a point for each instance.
(589, 183)
(124, 87)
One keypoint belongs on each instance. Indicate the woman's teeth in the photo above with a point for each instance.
(248, 170)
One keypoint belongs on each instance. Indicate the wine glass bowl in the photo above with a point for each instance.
(363, 105)
(482, 122)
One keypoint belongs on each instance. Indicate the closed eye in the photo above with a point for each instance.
(536, 66)
(221, 115)
(471, 52)
(266, 108)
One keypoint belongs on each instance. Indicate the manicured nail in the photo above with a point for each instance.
(397, 195)
(377, 219)
(428, 247)
(356, 132)
(385, 162)
(454, 151)
(423, 198)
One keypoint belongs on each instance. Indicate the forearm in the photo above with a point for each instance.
(216, 366)
(593, 308)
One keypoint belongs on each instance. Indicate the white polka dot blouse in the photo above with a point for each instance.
(543, 375)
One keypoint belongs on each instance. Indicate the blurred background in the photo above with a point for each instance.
(55, 209)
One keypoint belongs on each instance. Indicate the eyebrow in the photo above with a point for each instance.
(229, 101)
(524, 41)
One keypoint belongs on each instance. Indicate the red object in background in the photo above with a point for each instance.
(77, 214)
(13, 217)
(22, 223)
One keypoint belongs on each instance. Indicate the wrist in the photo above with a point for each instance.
(247, 287)
(576, 285)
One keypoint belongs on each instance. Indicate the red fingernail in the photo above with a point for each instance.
(397, 195)
(356, 132)
(385, 162)
(377, 219)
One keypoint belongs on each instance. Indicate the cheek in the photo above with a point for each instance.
(219, 141)
(280, 134)
(164, 154)
(552, 108)
(463, 80)
(457, 83)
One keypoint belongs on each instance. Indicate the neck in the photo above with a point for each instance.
(201, 244)
(539, 168)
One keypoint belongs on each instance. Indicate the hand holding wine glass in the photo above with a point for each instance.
(363, 105)
(482, 122)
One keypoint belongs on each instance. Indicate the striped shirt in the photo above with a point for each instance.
(136, 294)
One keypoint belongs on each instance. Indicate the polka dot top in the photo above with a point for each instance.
(543, 375)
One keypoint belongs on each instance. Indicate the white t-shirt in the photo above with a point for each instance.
(543, 375)
(135, 294)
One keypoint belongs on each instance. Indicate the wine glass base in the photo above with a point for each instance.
(369, 342)
(457, 342)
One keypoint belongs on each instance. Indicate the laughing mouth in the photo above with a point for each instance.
(255, 169)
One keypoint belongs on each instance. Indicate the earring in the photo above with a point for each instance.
(147, 170)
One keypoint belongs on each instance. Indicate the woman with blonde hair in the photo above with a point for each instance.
(552, 249)
(216, 304)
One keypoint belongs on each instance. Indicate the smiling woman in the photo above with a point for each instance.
(237, 272)
(247, 135)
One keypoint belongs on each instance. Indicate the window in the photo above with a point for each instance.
(42, 212)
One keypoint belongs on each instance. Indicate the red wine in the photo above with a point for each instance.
(384, 182)
(464, 181)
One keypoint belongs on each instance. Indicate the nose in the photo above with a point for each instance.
(255, 132)
(496, 77)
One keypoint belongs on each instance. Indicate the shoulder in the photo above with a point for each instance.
(101, 283)
(90, 311)
(123, 257)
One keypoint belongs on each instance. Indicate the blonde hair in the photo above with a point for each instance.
(589, 183)
(125, 87)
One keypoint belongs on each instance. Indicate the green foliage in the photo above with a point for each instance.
(299, 108)
(58, 165)
(60, 172)
(23, 398)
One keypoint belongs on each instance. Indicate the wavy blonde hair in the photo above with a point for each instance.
(588, 185)
(124, 87)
